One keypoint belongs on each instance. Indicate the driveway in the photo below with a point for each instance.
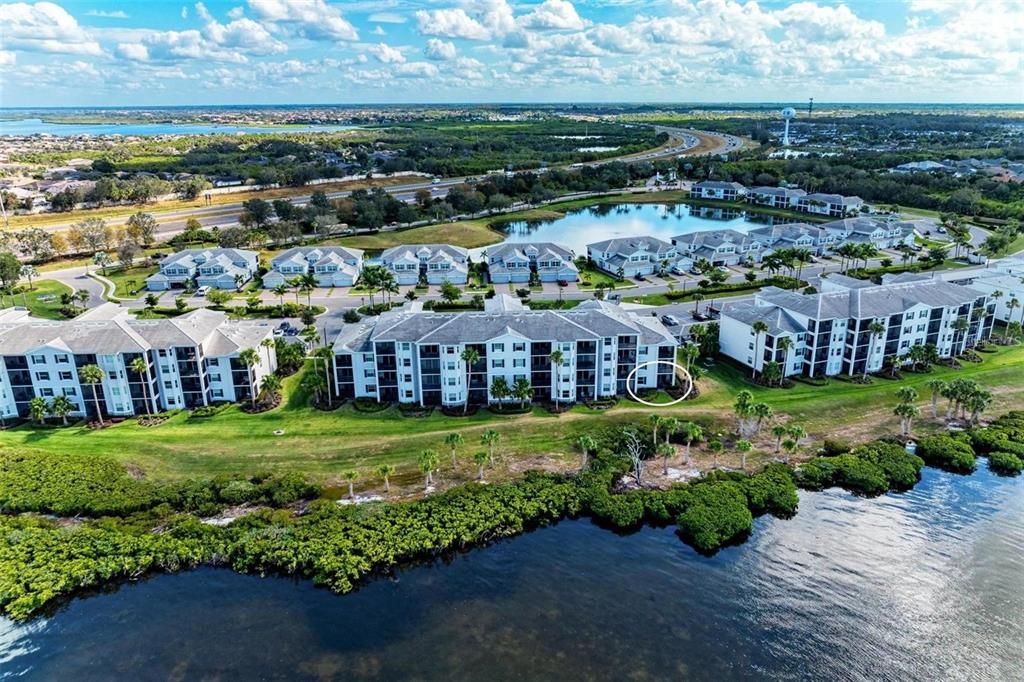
(77, 279)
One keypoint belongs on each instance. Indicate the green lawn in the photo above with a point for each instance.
(662, 299)
(324, 444)
(130, 283)
(590, 277)
(43, 299)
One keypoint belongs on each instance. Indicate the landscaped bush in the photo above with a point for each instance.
(716, 514)
(1005, 463)
(947, 453)
(369, 405)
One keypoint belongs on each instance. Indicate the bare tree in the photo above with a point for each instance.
(634, 450)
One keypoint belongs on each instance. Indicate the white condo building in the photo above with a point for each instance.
(829, 331)
(191, 360)
(416, 356)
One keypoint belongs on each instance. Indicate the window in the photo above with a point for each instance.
(62, 359)
(641, 381)
(367, 357)
(497, 348)
(369, 373)
(38, 359)
(567, 347)
(566, 393)
(407, 378)
(64, 376)
(497, 363)
(453, 397)
(218, 393)
(168, 384)
(607, 357)
(112, 375)
(70, 391)
(519, 347)
(450, 350)
(215, 377)
(42, 376)
(371, 388)
(46, 392)
(214, 362)
(162, 352)
(607, 371)
(408, 394)
(519, 362)
(452, 381)
(406, 362)
(607, 340)
(164, 369)
(406, 345)
(450, 365)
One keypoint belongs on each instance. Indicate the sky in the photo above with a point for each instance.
(165, 52)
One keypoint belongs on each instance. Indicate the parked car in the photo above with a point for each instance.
(940, 230)
(563, 282)
(202, 291)
(671, 320)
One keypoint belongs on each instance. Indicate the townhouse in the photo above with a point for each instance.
(885, 233)
(835, 205)
(775, 197)
(632, 256)
(814, 238)
(829, 332)
(717, 189)
(416, 357)
(215, 268)
(719, 247)
(190, 361)
(333, 266)
(515, 263)
(436, 263)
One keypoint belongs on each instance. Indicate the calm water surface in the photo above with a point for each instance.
(597, 223)
(927, 585)
(36, 126)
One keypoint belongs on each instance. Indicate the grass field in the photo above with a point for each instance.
(131, 283)
(324, 444)
(43, 299)
(468, 234)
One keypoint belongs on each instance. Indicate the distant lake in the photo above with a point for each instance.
(925, 585)
(664, 221)
(37, 126)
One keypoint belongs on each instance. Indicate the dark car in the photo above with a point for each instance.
(563, 282)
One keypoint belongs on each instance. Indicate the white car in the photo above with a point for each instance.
(202, 291)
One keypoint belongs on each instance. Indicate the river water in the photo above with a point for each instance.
(927, 585)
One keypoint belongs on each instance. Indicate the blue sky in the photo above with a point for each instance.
(102, 52)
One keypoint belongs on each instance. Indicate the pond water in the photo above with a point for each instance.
(36, 126)
(596, 223)
(920, 586)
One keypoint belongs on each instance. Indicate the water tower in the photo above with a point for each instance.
(787, 114)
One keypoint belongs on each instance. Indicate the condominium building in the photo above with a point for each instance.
(835, 205)
(190, 360)
(829, 333)
(716, 189)
(510, 262)
(437, 263)
(775, 197)
(413, 356)
(214, 268)
(333, 266)
(632, 256)
(719, 247)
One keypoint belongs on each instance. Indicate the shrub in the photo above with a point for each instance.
(850, 472)
(625, 511)
(902, 470)
(1005, 463)
(716, 514)
(771, 491)
(831, 447)
(947, 453)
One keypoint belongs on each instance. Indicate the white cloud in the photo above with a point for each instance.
(386, 18)
(136, 52)
(450, 23)
(378, 31)
(7, 58)
(553, 14)
(439, 50)
(116, 14)
(416, 70)
(386, 54)
(313, 19)
(616, 39)
(45, 27)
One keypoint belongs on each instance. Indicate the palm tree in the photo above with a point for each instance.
(556, 364)
(141, 367)
(92, 375)
(797, 433)
(906, 395)
(715, 446)
(906, 412)
(780, 431)
(586, 444)
(785, 344)
(490, 438)
(876, 329)
(37, 409)
(960, 325)
(655, 421)
(470, 356)
(280, 290)
(665, 450)
(500, 389)
(789, 445)
(29, 272)
(310, 335)
(670, 427)
(697, 298)
(250, 358)
(453, 440)
(480, 458)
(267, 344)
(315, 384)
(428, 462)
(386, 471)
(743, 447)
(350, 477)
(83, 296)
(1014, 302)
(692, 432)
(61, 407)
(271, 385)
(758, 328)
(937, 386)
(522, 391)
